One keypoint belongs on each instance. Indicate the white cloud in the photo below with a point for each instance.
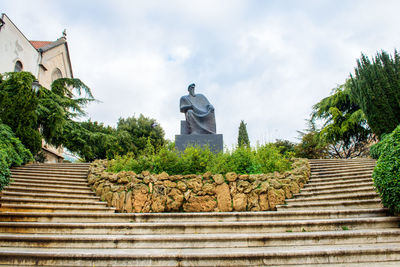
(266, 62)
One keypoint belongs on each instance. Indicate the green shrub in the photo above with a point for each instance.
(270, 159)
(386, 174)
(196, 160)
(12, 153)
(376, 150)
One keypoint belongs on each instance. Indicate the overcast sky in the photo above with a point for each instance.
(264, 62)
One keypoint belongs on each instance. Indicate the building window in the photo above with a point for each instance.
(18, 66)
(56, 74)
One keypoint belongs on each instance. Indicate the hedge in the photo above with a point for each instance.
(12, 153)
(386, 174)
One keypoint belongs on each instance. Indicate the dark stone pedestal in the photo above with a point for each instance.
(214, 141)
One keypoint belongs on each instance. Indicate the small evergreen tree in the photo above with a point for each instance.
(243, 137)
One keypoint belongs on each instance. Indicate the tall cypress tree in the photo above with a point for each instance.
(375, 87)
(243, 137)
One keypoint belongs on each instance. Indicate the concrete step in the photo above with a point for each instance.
(192, 217)
(323, 188)
(48, 186)
(49, 196)
(339, 166)
(49, 182)
(51, 171)
(62, 179)
(342, 168)
(179, 241)
(334, 191)
(342, 161)
(51, 208)
(52, 175)
(257, 256)
(339, 182)
(342, 174)
(335, 205)
(334, 197)
(86, 192)
(326, 167)
(200, 227)
(57, 165)
(315, 179)
(58, 202)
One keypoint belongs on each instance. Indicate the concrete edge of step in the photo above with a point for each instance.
(285, 223)
(202, 214)
(201, 237)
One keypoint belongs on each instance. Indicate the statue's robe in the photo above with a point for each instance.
(199, 114)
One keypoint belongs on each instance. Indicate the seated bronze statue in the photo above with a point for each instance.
(199, 113)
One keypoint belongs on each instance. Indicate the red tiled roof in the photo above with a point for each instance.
(39, 44)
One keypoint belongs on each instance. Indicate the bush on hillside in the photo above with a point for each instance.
(386, 174)
(195, 160)
(376, 150)
(12, 153)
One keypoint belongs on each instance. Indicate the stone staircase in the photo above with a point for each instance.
(49, 216)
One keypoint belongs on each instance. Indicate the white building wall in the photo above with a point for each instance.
(53, 59)
(13, 47)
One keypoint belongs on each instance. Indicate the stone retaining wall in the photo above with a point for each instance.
(145, 192)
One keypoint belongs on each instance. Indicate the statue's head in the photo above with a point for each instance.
(191, 88)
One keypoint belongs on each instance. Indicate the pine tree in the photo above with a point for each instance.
(243, 137)
(375, 87)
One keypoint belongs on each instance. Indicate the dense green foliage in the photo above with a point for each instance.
(44, 114)
(376, 89)
(285, 146)
(140, 130)
(12, 153)
(88, 143)
(243, 137)
(59, 106)
(51, 115)
(311, 145)
(18, 106)
(92, 140)
(376, 149)
(386, 174)
(195, 160)
(345, 127)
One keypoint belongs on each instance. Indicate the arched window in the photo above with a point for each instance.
(57, 74)
(18, 66)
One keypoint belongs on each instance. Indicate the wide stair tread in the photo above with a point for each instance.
(49, 196)
(337, 218)
(52, 175)
(322, 188)
(50, 182)
(49, 186)
(192, 217)
(201, 240)
(201, 227)
(257, 256)
(334, 191)
(17, 200)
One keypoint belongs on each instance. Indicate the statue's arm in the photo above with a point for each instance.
(209, 106)
(185, 105)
